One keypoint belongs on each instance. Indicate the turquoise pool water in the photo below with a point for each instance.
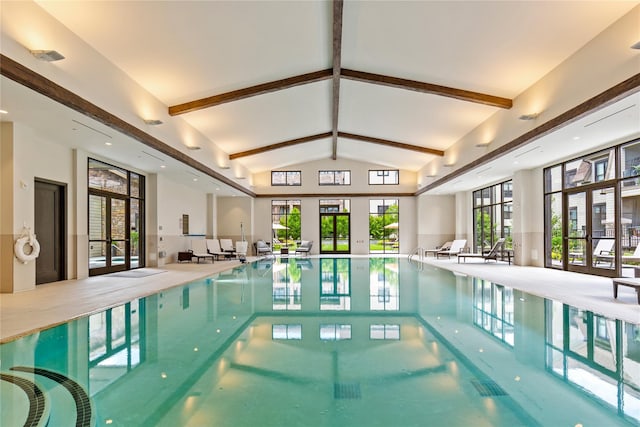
(328, 342)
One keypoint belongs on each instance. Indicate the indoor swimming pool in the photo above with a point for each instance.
(330, 342)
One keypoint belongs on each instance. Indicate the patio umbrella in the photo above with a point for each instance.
(277, 226)
(392, 225)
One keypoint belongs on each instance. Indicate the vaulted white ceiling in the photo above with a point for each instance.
(184, 51)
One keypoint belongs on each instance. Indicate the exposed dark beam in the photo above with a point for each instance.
(393, 144)
(337, 54)
(40, 84)
(247, 92)
(279, 145)
(608, 97)
(464, 95)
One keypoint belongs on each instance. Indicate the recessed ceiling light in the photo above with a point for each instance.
(47, 55)
(4, 112)
(575, 138)
(108, 143)
(195, 179)
(163, 166)
(431, 175)
(153, 122)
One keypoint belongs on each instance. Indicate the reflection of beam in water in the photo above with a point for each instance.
(406, 374)
(274, 375)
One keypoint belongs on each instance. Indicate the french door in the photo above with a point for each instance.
(335, 230)
(108, 234)
(590, 230)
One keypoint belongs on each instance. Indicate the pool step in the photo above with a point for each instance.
(44, 397)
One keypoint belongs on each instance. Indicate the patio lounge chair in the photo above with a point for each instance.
(227, 248)
(456, 247)
(491, 255)
(199, 250)
(304, 247)
(444, 247)
(262, 248)
(603, 252)
(213, 247)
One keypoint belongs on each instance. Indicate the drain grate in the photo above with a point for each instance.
(346, 391)
(488, 388)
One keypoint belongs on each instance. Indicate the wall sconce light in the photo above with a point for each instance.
(47, 55)
(225, 167)
(431, 175)
(635, 46)
(531, 116)
(483, 144)
(193, 147)
(153, 122)
(449, 165)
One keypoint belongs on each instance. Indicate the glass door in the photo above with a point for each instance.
(108, 234)
(335, 229)
(590, 232)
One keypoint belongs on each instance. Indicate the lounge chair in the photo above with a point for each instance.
(213, 247)
(456, 247)
(631, 282)
(491, 255)
(304, 247)
(199, 250)
(227, 247)
(241, 248)
(603, 252)
(444, 247)
(262, 248)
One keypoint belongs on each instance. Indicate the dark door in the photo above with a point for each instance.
(108, 234)
(335, 229)
(590, 231)
(50, 221)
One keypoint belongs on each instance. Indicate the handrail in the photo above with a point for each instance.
(417, 251)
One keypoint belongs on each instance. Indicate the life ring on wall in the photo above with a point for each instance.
(23, 242)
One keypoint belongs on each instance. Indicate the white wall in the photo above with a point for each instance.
(174, 200)
(436, 220)
(359, 179)
(35, 157)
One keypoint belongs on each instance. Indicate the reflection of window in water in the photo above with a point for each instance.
(595, 353)
(115, 337)
(286, 332)
(287, 286)
(384, 332)
(335, 284)
(493, 309)
(335, 332)
(384, 284)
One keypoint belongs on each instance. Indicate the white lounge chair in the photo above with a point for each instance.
(444, 247)
(227, 248)
(262, 248)
(456, 247)
(213, 247)
(491, 255)
(199, 250)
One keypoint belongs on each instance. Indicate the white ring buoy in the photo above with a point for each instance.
(20, 245)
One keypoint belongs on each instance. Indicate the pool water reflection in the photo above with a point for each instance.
(334, 342)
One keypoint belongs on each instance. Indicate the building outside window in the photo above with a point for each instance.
(384, 226)
(492, 216)
(284, 178)
(384, 177)
(286, 224)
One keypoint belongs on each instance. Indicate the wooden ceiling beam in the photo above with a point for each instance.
(393, 144)
(248, 92)
(396, 82)
(337, 54)
(279, 145)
